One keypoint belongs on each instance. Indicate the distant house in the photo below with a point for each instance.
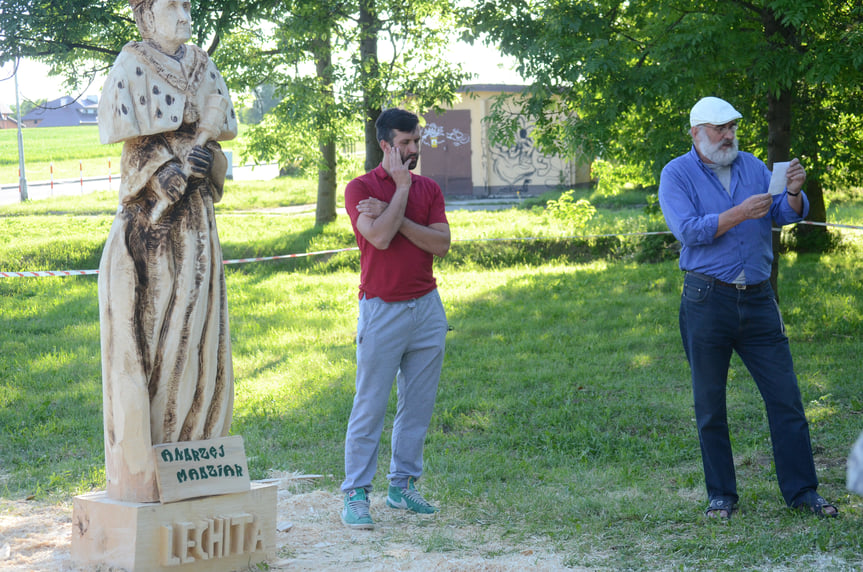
(64, 112)
(7, 118)
(457, 154)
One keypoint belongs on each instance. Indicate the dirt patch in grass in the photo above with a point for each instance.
(36, 536)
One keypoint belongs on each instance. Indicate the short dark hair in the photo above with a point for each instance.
(395, 118)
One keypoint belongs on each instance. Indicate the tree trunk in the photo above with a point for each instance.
(778, 149)
(808, 237)
(326, 205)
(369, 26)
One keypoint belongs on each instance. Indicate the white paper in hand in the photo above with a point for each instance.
(777, 179)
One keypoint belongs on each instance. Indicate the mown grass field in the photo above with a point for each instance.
(564, 412)
(67, 151)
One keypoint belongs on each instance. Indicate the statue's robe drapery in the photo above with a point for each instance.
(166, 349)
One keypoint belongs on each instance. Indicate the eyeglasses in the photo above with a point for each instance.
(723, 129)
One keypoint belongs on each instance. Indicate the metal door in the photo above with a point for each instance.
(446, 151)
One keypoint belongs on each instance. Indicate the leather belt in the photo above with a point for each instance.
(729, 284)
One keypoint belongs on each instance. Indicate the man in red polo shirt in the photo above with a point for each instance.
(400, 224)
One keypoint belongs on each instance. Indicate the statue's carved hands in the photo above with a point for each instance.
(171, 182)
(200, 161)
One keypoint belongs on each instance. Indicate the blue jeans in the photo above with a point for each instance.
(401, 342)
(714, 320)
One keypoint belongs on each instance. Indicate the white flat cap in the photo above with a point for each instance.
(712, 110)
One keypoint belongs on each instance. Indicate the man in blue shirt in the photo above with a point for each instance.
(715, 200)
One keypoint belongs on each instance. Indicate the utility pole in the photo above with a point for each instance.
(22, 181)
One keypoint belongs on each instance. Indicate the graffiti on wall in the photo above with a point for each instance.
(435, 135)
(521, 164)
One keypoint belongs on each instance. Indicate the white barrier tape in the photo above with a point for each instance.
(47, 273)
(581, 236)
(837, 225)
(283, 256)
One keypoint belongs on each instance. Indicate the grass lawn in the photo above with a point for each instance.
(67, 153)
(564, 412)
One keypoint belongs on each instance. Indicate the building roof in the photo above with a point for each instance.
(493, 87)
(65, 111)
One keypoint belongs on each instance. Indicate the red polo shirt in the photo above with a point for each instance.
(403, 271)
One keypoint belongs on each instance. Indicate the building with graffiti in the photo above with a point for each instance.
(457, 154)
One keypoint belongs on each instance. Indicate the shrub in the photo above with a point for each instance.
(574, 213)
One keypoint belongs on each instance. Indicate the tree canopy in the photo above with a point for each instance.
(80, 39)
(325, 63)
(618, 78)
(320, 59)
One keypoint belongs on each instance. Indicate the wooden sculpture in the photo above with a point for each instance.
(166, 348)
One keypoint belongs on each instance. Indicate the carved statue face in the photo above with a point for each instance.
(169, 24)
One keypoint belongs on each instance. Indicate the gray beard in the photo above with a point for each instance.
(714, 151)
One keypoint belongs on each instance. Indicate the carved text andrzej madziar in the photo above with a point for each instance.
(194, 454)
(210, 539)
(209, 471)
(201, 455)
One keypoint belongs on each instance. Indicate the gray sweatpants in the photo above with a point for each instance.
(402, 341)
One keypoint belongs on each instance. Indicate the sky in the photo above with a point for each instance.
(34, 82)
(488, 63)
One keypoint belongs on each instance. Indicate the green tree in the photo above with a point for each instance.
(27, 106)
(618, 78)
(296, 58)
(79, 39)
(323, 59)
(263, 100)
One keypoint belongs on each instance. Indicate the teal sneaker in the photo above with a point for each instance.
(356, 511)
(409, 499)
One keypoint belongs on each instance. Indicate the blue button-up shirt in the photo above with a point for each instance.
(692, 198)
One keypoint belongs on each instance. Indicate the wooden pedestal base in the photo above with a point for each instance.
(217, 533)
